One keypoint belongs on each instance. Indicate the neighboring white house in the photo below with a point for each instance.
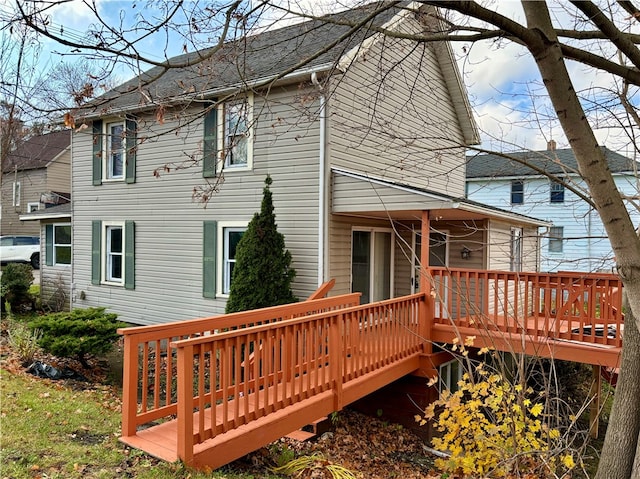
(353, 141)
(577, 240)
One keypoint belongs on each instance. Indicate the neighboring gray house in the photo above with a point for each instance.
(576, 241)
(37, 174)
(362, 148)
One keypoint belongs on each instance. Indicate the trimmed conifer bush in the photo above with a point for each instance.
(262, 274)
(78, 333)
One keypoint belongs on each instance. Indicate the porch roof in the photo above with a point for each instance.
(62, 211)
(358, 194)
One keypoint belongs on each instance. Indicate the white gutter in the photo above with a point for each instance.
(322, 188)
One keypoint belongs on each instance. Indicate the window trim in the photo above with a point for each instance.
(222, 134)
(520, 193)
(446, 380)
(105, 150)
(54, 244)
(555, 239)
(516, 246)
(30, 205)
(106, 225)
(556, 192)
(17, 193)
(223, 281)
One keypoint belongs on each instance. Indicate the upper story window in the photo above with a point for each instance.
(517, 192)
(115, 152)
(228, 137)
(556, 192)
(237, 134)
(31, 207)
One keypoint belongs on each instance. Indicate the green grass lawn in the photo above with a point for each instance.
(51, 430)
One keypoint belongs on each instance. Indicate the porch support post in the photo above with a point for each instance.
(427, 306)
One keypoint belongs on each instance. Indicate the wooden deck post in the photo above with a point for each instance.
(185, 404)
(129, 386)
(427, 310)
(335, 360)
(594, 412)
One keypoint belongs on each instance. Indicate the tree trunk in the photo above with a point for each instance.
(621, 441)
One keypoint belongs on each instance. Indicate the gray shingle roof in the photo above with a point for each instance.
(252, 58)
(37, 151)
(560, 161)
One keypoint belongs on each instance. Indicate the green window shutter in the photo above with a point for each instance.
(209, 251)
(48, 245)
(97, 152)
(129, 255)
(96, 251)
(209, 144)
(131, 148)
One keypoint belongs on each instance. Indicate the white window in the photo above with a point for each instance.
(115, 151)
(516, 249)
(113, 264)
(227, 248)
(235, 133)
(555, 239)
(31, 207)
(449, 375)
(61, 244)
(16, 193)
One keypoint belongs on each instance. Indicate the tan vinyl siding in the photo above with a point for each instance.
(169, 225)
(59, 173)
(396, 120)
(470, 234)
(32, 184)
(352, 195)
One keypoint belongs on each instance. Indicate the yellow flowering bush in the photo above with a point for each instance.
(491, 427)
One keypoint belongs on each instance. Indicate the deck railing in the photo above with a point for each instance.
(149, 371)
(232, 378)
(583, 307)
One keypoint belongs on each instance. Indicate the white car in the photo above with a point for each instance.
(20, 249)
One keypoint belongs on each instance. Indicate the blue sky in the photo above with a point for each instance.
(510, 105)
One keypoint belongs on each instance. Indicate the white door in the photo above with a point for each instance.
(372, 264)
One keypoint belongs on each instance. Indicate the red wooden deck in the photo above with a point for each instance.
(214, 389)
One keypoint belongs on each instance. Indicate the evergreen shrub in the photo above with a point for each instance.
(262, 275)
(78, 333)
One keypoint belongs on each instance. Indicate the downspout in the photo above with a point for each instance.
(322, 193)
(72, 296)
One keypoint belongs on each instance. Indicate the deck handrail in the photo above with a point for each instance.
(149, 382)
(293, 360)
(585, 307)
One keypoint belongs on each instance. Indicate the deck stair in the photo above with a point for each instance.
(311, 431)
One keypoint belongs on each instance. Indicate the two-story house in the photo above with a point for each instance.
(36, 175)
(363, 134)
(576, 241)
